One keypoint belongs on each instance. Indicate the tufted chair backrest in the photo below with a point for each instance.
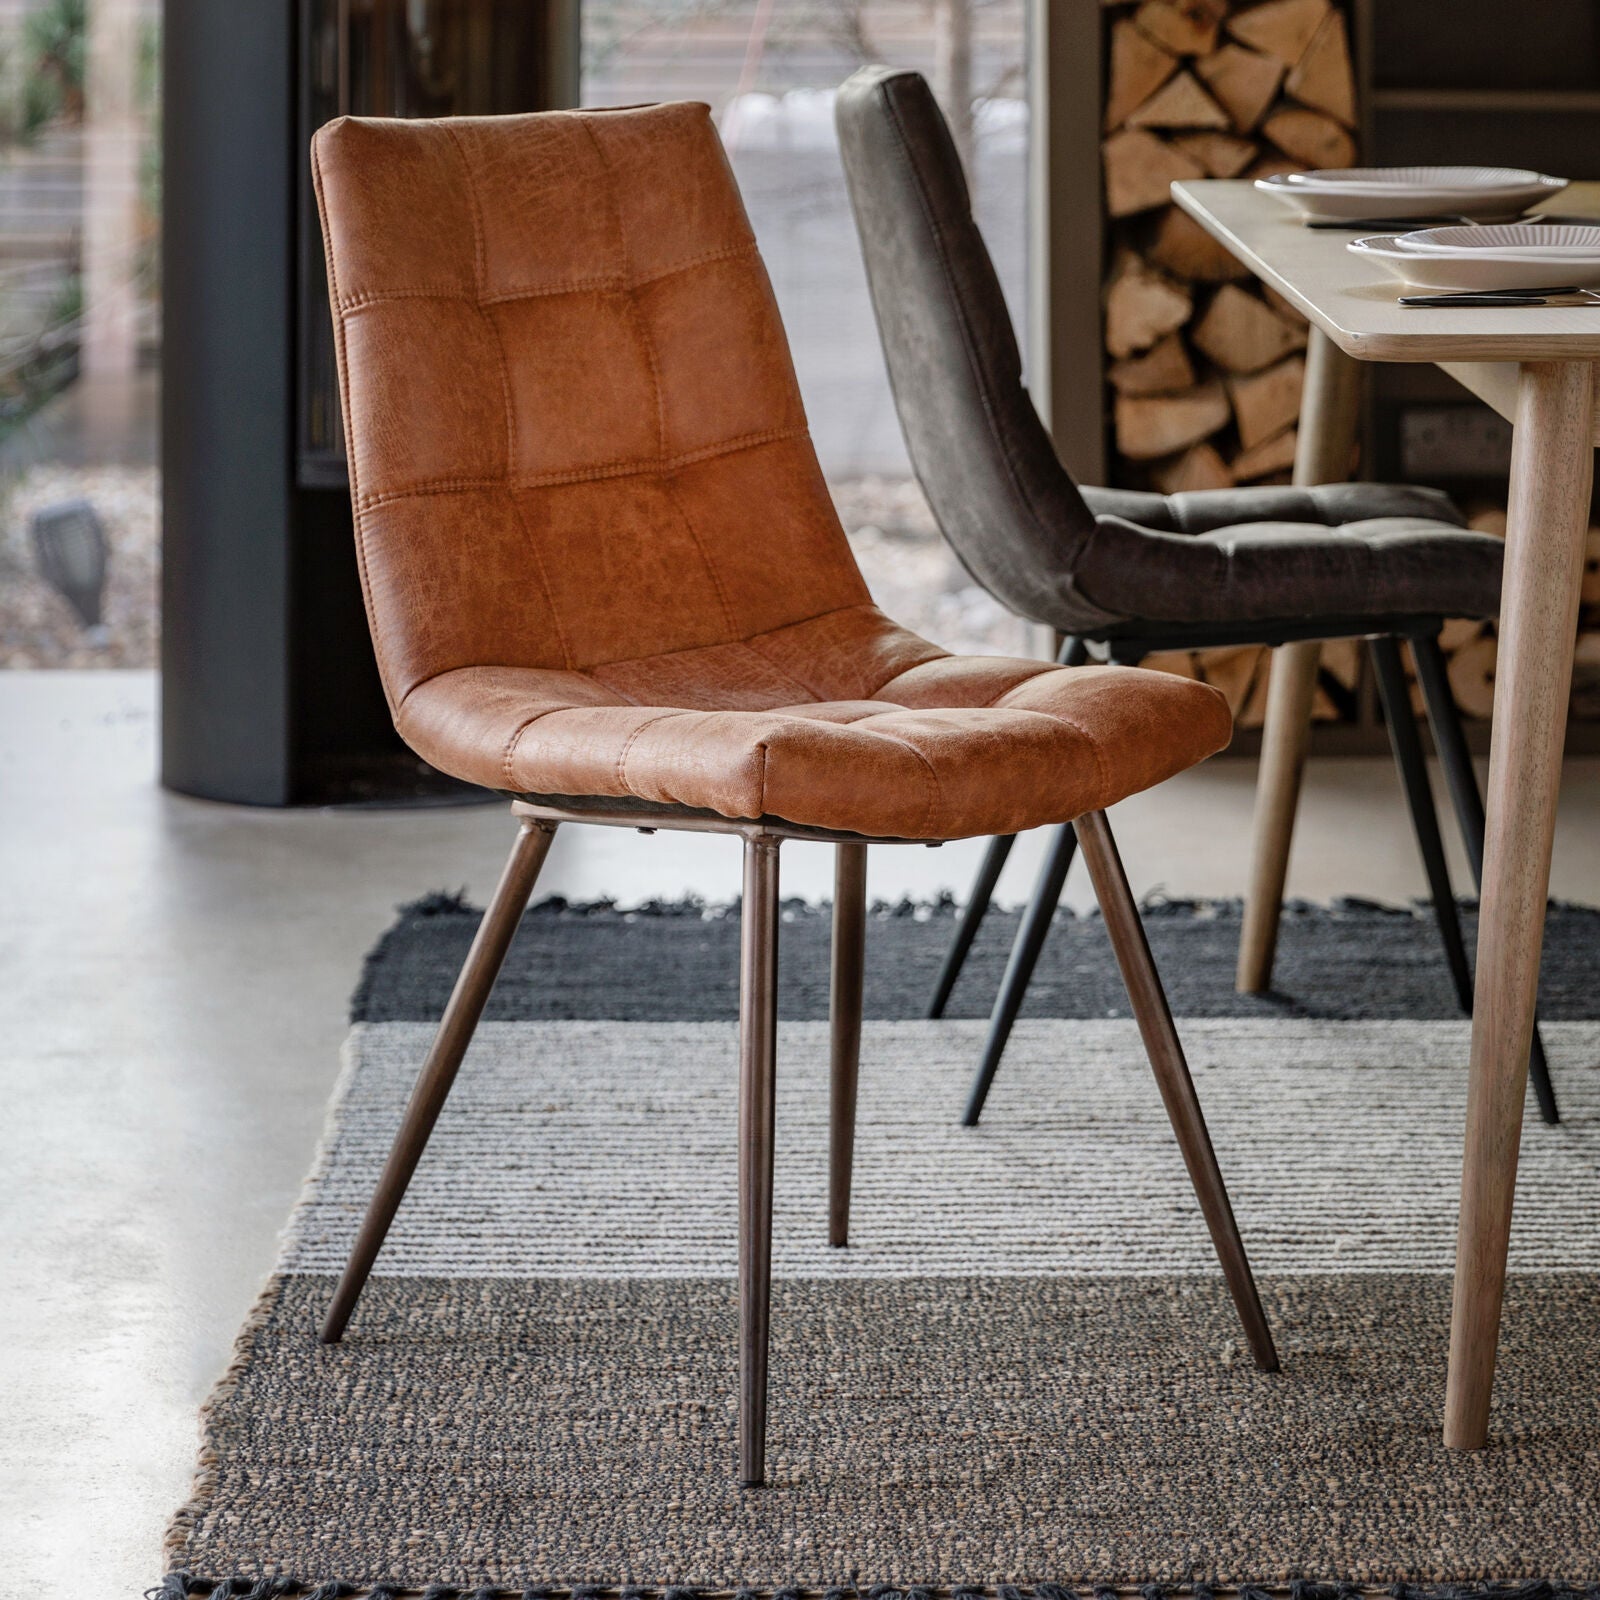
(1002, 498)
(573, 426)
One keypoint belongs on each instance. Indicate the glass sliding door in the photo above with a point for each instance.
(80, 332)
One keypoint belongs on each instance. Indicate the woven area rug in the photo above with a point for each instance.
(1024, 1372)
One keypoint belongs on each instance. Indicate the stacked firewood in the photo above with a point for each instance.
(1471, 647)
(1206, 364)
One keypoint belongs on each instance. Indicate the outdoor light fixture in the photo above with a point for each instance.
(70, 544)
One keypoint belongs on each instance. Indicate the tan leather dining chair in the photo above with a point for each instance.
(604, 577)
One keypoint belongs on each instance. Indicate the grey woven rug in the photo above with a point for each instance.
(1025, 1370)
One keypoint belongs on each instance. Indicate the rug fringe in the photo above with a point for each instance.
(181, 1585)
(1157, 903)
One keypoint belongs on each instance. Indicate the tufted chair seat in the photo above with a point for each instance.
(845, 722)
(1266, 554)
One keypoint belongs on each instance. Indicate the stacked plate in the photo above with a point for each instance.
(1524, 255)
(1353, 194)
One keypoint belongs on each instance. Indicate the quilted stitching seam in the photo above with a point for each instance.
(935, 792)
(671, 490)
(544, 580)
(514, 741)
(610, 469)
(1102, 777)
(993, 702)
(620, 771)
(379, 640)
(505, 387)
(612, 281)
(834, 611)
(641, 322)
(782, 671)
(810, 688)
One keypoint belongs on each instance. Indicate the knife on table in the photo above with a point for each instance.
(1489, 297)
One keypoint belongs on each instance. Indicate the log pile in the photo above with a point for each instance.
(1471, 647)
(1206, 366)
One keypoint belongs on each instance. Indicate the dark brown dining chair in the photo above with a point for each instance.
(604, 577)
(1121, 574)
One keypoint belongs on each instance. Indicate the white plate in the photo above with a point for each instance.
(1328, 203)
(1472, 269)
(1430, 179)
(1555, 241)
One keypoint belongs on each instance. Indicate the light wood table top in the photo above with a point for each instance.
(1357, 306)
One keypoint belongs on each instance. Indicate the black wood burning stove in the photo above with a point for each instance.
(269, 691)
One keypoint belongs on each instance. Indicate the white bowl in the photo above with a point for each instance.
(1473, 269)
(1555, 241)
(1354, 201)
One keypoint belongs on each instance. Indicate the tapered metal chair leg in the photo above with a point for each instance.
(844, 1029)
(1461, 779)
(1406, 743)
(972, 915)
(1019, 969)
(460, 1021)
(758, 1050)
(1073, 653)
(1165, 1051)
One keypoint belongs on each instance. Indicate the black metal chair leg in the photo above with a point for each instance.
(1412, 764)
(1461, 779)
(847, 979)
(1073, 653)
(1019, 969)
(1165, 1051)
(972, 915)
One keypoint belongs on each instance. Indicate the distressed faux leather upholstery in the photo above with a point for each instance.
(1099, 561)
(598, 555)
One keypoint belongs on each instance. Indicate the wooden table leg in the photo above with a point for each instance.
(1329, 413)
(1552, 471)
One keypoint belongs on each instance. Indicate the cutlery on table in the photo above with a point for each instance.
(1383, 224)
(1495, 297)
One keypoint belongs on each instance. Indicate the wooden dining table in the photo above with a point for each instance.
(1537, 367)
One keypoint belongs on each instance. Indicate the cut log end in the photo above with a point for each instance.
(1139, 66)
(1199, 467)
(1265, 403)
(1242, 82)
(1140, 169)
(1180, 246)
(1185, 27)
(1148, 427)
(1310, 138)
(1282, 29)
(1223, 155)
(1180, 103)
(1471, 671)
(1322, 78)
(1164, 368)
(1242, 333)
(1142, 306)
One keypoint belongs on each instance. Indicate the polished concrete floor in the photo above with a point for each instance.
(175, 976)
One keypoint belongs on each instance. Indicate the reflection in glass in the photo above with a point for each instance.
(80, 331)
(398, 58)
